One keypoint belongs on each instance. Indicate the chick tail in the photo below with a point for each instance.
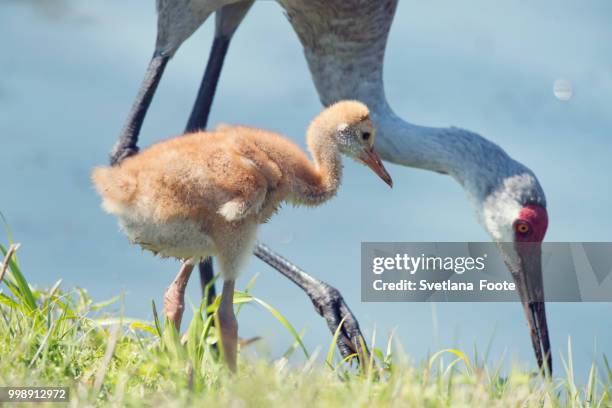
(116, 188)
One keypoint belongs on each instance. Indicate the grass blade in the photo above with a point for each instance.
(278, 317)
(457, 353)
(19, 280)
(332, 345)
(156, 319)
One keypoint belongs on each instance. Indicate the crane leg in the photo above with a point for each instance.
(174, 298)
(327, 300)
(126, 144)
(227, 20)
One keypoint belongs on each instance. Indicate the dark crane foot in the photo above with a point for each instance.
(330, 304)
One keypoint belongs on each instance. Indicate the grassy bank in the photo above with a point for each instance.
(55, 338)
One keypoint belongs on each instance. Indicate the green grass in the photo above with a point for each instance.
(56, 338)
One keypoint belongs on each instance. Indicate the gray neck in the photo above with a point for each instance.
(479, 165)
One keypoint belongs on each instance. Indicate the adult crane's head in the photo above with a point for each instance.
(515, 216)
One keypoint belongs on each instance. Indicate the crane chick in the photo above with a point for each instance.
(205, 193)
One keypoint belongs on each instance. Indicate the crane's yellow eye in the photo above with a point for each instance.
(522, 227)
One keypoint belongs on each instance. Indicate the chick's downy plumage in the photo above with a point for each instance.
(204, 193)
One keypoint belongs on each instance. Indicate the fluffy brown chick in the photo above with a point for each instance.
(203, 194)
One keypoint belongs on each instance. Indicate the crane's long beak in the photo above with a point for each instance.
(373, 161)
(527, 273)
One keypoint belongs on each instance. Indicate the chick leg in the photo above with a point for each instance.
(174, 298)
(228, 324)
(235, 245)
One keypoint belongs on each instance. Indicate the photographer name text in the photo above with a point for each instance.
(405, 264)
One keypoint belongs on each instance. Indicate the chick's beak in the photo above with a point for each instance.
(371, 159)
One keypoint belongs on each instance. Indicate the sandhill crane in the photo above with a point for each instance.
(227, 182)
(344, 43)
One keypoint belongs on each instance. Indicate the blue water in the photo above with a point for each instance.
(70, 70)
